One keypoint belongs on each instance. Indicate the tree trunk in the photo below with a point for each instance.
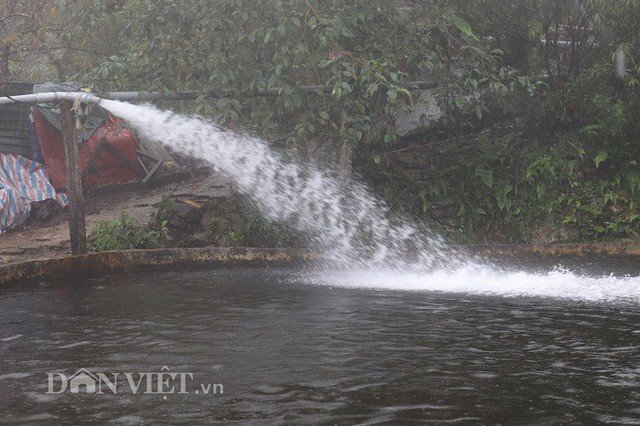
(345, 151)
(303, 152)
(5, 74)
(345, 156)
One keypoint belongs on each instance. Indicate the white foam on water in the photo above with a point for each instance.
(336, 215)
(486, 280)
(10, 338)
(75, 344)
(9, 376)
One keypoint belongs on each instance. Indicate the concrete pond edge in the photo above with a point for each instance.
(610, 249)
(93, 264)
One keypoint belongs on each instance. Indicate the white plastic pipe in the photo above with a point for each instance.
(82, 97)
(51, 97)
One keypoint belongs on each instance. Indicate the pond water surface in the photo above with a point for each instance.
(279, 350)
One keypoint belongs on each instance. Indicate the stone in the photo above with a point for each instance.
(184, 216)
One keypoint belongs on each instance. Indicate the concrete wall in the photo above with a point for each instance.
(139, 260)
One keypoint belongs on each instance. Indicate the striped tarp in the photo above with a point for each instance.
(22, 181)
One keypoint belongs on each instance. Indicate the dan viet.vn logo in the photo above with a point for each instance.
(163, 382)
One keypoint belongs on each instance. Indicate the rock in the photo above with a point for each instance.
(184, 216)
(425, 106)
(199, 239)
(550, 234)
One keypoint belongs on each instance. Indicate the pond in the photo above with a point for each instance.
(272, 345)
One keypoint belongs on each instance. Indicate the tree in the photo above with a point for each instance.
(21, 28)
(54, 39)
(366, 51)
(555, 38)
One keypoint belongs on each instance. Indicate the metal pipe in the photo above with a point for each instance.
(150, 96)
(52, 97)
(265, 93)
(83, 97)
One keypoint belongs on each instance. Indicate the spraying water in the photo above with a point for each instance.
(342, 219)
(365, 247)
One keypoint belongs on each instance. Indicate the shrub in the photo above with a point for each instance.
(123, 233)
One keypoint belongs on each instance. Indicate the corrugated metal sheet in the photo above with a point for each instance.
(14, 119)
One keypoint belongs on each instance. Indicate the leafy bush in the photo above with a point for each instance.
(123, 233)
(244, 224)
(365, 52)
(165, 209)
(561, 152)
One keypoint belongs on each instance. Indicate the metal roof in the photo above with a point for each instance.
(14, 119)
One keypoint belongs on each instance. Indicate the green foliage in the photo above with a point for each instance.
(165, 209)
(365, 51)
(232, 239)
(244, 224)
(212, 227)
(500, 184)
(49, 40)
(553, 133)
(535, 127)
(123, 233)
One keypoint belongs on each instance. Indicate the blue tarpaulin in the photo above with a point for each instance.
(22, 182)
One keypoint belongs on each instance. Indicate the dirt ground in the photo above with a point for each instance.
(38, 239)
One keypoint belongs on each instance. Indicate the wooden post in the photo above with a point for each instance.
(77, 230)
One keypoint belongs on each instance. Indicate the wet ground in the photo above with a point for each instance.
(51, 239)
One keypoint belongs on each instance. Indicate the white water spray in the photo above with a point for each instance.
(342, 220)
(347, 223)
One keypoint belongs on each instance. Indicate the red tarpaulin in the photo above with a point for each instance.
(108, 156)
